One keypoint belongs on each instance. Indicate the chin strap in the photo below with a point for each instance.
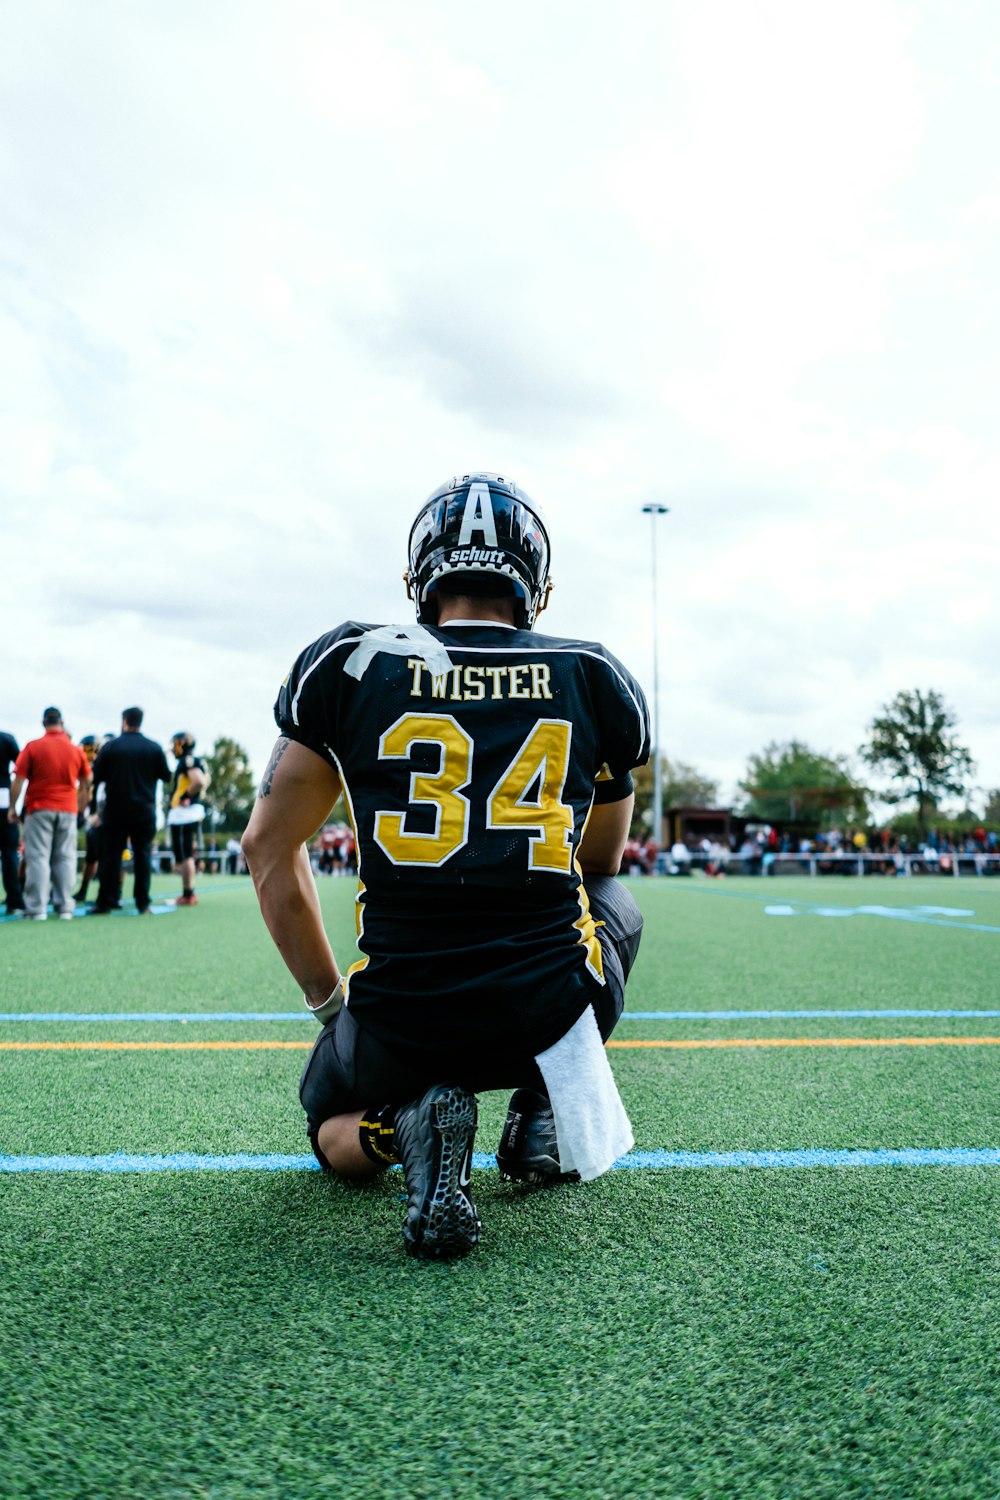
(329, 1007)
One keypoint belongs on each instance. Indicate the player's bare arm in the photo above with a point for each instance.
(267, 780)
(196, 781)
(16, 788)
(603, 842)
(84, 792)
(296, 794)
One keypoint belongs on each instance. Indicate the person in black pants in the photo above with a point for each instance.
(129, 767)
(10, 833)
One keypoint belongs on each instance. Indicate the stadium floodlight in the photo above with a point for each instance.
(652, 511)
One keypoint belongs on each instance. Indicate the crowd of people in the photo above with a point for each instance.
(108, 787)
(880, 851)
(334, 850)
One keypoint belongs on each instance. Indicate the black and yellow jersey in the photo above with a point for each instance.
(469, 756)
(181, 785)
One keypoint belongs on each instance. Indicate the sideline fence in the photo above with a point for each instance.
(855, 864)
(222, 862)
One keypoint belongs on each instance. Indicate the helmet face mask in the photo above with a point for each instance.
(479, 535)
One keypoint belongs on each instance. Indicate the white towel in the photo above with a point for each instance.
(177, 817)
(397, 640)
(592, 1127)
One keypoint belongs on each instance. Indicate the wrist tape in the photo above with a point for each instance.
(326, 1011)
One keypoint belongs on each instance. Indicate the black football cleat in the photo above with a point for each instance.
(528, 1149)
(433, 1141)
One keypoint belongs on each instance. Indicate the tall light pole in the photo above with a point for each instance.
(652, 511)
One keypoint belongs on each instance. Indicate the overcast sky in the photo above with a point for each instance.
(273, 271)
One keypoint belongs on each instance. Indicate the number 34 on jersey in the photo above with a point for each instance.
(528, 796)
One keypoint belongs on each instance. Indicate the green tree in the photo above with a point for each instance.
(231, 794)
(911, 743)
(683, 786)
(991, 813)
(789, 783)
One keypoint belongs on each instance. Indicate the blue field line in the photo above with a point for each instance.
(800, 1015)
(112, 1017)
(157, 909)
(896, 914)
(120, 1161)
(907, 1156)
(919, 915)
(162, 904)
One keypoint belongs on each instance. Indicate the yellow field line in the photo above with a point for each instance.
(685, 1043)
(827, 1041)
(154, 1046)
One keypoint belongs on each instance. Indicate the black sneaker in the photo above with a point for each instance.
(528, 1149)
(433, 1141)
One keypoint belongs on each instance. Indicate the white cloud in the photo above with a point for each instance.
(268, 274)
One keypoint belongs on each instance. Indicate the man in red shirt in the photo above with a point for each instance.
(58, 777)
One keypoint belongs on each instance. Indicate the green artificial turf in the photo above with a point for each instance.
(718, 1333)
(709, 945)
(687, 1334)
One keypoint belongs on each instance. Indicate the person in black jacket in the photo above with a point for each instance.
(9, 832)
(129, 768)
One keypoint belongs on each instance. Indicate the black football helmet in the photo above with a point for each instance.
(481, 535)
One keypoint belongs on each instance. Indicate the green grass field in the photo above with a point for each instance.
(670, 1330)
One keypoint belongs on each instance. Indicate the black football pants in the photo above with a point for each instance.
(348, 1069)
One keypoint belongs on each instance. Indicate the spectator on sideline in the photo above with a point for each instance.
(492, 961)
(58, 778)
(650, 855)
(128, 768)
(630, 858)
(90, 820)
(718, 858)
(327, 847)
(9, 831)
(680, 857)
(186, 811)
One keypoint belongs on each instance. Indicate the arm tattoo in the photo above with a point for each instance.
(281, 745)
